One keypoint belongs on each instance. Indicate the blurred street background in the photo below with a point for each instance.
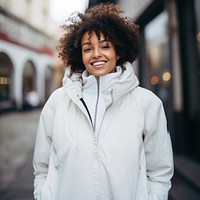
(30, 70)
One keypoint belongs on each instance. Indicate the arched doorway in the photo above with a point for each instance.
(29, 84)
(49, 82)
(29, 76)
(6, 78)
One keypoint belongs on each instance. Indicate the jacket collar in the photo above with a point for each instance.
(113, 91)
(89, 81)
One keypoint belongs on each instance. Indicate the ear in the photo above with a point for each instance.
(118, 57)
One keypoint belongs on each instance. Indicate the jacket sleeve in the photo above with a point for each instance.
(158, 149)
(42, 148)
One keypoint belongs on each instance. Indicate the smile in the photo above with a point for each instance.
(99, 63)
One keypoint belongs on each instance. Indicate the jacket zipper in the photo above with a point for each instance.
(83, 102)
(96, 106)
(93, 123)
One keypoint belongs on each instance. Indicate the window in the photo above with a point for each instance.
(158, 73)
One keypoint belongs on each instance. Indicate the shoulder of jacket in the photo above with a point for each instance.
(145, 95)
(145, 98)
(56, 96)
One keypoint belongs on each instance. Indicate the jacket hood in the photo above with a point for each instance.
(126, 82)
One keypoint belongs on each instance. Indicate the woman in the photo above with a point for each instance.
(101, 136)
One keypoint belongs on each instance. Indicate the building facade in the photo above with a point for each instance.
(169, 64)
(26, 52)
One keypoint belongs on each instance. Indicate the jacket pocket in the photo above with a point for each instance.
(49, 189)
(56, 166)
(143, 189)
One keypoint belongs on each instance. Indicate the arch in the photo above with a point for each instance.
(29, 76)
(6, 79)
(49, 81)
(28, 82)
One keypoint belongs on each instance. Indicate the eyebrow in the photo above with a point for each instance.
(86, 43)
(101, 41)
(104, 40)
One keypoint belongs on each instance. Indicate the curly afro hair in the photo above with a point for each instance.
(103, 18)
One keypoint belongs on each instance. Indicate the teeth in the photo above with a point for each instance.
(99, 63)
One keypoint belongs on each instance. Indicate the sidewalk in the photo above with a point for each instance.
(17, 137)
(21, 188)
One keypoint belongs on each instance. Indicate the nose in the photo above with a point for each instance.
(96, 53)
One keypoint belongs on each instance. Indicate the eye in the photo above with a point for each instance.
(86, 50)
(105, 46)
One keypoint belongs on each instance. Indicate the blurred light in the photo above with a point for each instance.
(5, 80)
(154, 80)
(198, 36)
(166, 76)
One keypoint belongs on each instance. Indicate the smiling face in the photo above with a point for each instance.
(98, 55)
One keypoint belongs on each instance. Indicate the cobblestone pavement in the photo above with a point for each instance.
(17, 137)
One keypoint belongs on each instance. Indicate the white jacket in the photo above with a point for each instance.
(130, 160)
